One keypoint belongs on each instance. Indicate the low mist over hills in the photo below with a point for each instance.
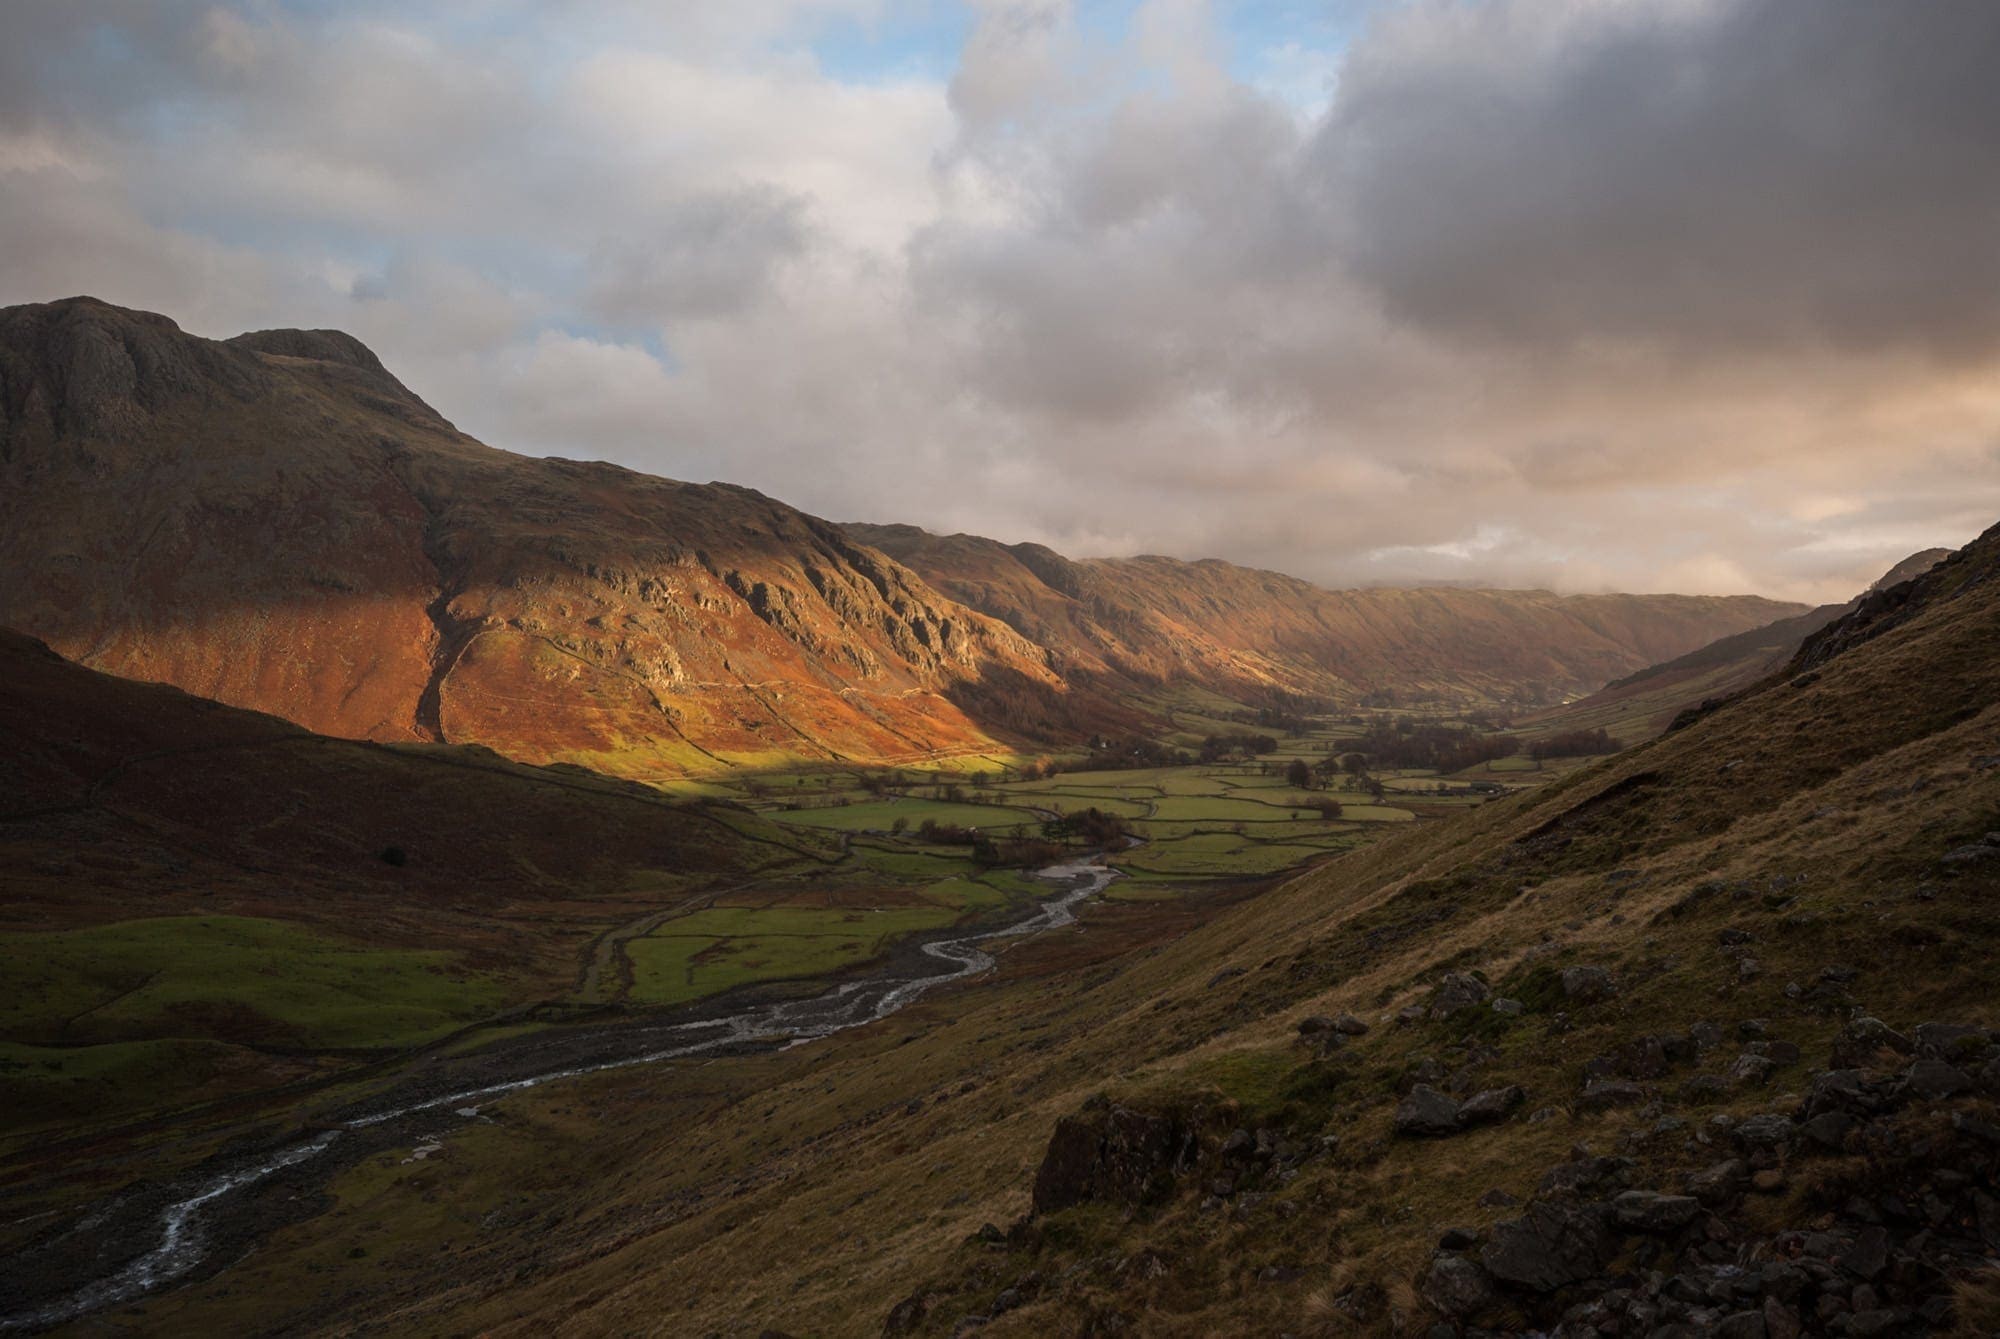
(277, 522)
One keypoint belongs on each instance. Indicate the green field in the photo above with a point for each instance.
(229, 977)
(881, 815)
(715, 950)
(1213, 854)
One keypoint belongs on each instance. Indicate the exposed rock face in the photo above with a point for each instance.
(276, 522)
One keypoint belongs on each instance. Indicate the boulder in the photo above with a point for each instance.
(1767, 1131)
(1426, 1112)
(1829, 1130)
(1491, 1106)
(1603, 1094)
(1587, 985)
(1314, 1025)
(1934, 1080)
(1457, 1286)
(1869, 1043)
(1950, 1041)
(1650, 1211)
(1841, 1090)
(1718, 1183)
(1748, 1070)
(1550, 1246)
(1457, 991)
(1350, 1026)
(907, 1316)
(1740, 1325)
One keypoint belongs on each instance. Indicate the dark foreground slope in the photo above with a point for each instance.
(1741, 1081)
(1251, 635)
(199, 900)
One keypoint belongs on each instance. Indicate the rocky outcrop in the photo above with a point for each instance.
(1880, 1242)
(1111, 1154)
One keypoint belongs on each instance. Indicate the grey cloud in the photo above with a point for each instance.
(709, 257)
(1823, 171)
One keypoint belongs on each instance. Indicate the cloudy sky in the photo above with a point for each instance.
(1695, 295)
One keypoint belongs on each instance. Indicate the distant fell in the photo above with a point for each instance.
(1243, 632)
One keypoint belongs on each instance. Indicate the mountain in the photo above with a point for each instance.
(1249, 634)
(277, 522)
(1643, 704)
(1700, 1040)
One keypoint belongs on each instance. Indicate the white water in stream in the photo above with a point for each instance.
(182, 1244)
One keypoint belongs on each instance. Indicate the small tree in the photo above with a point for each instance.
(1298, 774)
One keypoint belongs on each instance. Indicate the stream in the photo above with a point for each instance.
(182, 1230)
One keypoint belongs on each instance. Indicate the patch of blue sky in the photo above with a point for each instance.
(1292, 49)
(910, 40)
(624, 334)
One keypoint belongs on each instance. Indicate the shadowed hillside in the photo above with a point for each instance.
(199, 899)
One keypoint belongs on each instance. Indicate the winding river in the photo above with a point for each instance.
(182, 1228)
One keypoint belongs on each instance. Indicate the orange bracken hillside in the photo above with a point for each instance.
(277, 522)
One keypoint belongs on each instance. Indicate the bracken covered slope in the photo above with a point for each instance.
(1244, 632)
(274, 521)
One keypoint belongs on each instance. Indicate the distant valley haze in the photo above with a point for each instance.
(1652, 295)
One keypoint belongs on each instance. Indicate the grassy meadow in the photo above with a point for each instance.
(144, 1014)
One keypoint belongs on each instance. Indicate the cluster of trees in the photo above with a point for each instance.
(1320, 776)
(1573, 744)
(1443, 748)
(1112, 754)
(1292, 715)
(1217, 747)
(943, 834)
(1092, 826)
(1016, 852)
